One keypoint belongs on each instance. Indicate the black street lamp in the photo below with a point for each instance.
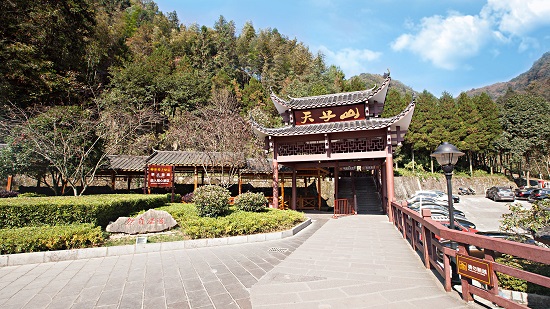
(447, 155)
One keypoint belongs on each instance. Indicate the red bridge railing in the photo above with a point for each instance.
(343, 207)
(424, 235)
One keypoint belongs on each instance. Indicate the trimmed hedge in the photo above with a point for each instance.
(47, 238)
(251, 202)
(63, 210)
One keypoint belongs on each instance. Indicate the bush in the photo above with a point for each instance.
(177, 197)
(211, 201)
(63, 210)
(47, 238)
(6, 193)
(235, 223)
(251, 202)
(188, 198)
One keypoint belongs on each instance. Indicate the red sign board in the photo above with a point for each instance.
(330, 114)
(160, 176)
(475, 268)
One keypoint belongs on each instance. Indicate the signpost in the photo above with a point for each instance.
(161, 176)
(474, 268)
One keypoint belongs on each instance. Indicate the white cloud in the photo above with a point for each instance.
(518, 17)
(351, 61)
(447, 41)
(444, 41)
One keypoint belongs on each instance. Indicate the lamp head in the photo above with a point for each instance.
(447, 154)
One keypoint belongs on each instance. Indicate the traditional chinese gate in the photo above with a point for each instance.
(334, 130)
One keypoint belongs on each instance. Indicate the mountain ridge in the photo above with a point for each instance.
(536, 80)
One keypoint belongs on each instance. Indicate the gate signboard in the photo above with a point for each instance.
(475, 268)
(160, 176)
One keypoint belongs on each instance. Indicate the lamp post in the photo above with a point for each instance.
(447, 155)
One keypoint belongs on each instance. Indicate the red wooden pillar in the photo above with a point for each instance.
(336, 168)
(294, 191)
(195, 179)
(275, 183)
(240, 183)
(8, 186)
(389, 185)
(384, 189)
(389, 175)
(113, 181)
(319, 189)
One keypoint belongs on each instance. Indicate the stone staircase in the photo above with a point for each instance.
(368, 199)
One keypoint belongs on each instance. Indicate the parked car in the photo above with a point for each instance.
(463, 222)
(435, 208)
(500, 194)
(438, 195)
(456, 198)
(523, 194)
(539, 194)
(425, 200)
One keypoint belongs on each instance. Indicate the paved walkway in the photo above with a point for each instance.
(351, 262)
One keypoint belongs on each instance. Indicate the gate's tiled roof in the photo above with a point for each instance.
(331, 127)
(337, 99)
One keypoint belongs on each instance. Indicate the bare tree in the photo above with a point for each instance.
(219, 132)
(75, 141)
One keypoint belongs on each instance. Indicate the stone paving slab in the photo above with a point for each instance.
(351, 262)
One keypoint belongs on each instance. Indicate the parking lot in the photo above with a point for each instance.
(485, 213)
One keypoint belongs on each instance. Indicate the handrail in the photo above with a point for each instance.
(422, 233)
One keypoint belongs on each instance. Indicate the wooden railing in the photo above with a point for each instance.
(302, 203)
(343, 207)
(424, 235)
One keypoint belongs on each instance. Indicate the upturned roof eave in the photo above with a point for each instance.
(402, 120)
(329, 99)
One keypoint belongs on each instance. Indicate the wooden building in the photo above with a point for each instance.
(336, 131)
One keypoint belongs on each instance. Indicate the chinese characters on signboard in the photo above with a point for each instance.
(475, 268)
(330, 114)
(160, 176)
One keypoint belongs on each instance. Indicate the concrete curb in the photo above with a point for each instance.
(86, 253)
(528, 299)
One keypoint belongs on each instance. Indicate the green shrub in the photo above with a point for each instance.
(235, 223)
(63, 210)
(251, 202)
(48, 238)
(515, 284)
(211, 201)
(177, 197)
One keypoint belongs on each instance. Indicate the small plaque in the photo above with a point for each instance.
(474, 268)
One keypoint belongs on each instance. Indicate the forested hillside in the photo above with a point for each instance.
(536, 80)
(84, 79)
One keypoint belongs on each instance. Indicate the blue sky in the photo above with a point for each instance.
(445, 45)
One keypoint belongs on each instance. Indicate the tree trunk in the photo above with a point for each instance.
(412, 153)
(471, 168)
